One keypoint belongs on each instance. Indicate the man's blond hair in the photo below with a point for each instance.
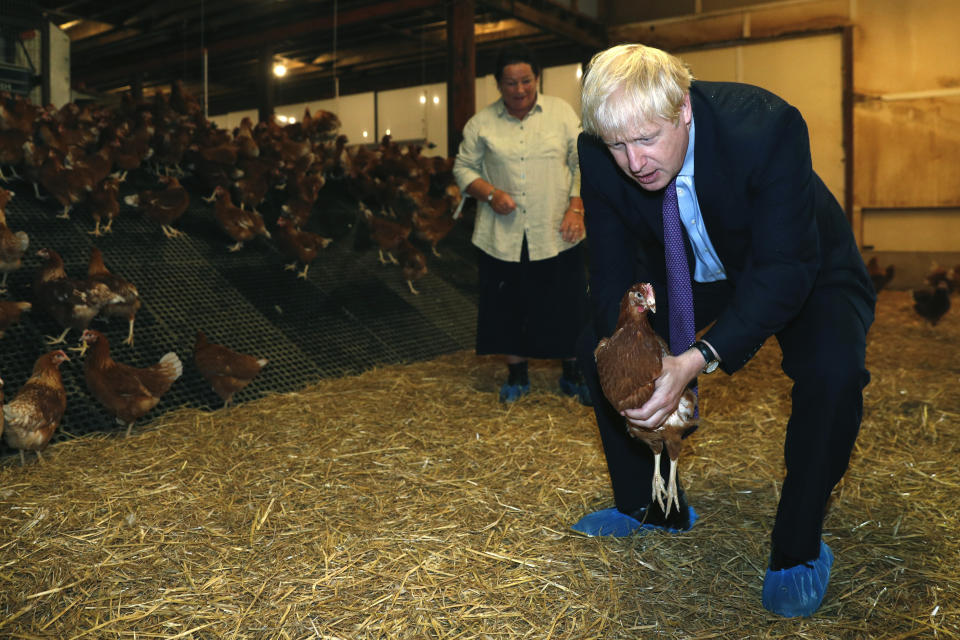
(632, 83)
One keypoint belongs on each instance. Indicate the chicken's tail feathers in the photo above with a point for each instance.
(171, 363)
(132, 200)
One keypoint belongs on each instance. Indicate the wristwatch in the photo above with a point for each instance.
(490, 195)
(711, 360)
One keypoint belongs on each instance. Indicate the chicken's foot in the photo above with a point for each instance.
(303, 274)
(657, 483)
(235, 247)
(291, 266)
(213, 196)
(170, 232)
(412, 290)
(50, 340)
(672, 494)
(96, 230)
(66, 213)
(433, 248)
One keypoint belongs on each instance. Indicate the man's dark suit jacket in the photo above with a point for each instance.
(777, 229)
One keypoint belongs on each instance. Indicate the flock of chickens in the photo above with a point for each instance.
(150, 157)
(931, 302)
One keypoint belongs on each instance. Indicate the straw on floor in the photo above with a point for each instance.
(407, 503)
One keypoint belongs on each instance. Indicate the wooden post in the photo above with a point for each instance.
(462, 78)
(265, 88)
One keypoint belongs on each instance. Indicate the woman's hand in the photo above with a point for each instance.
(502, 203)
(571, 227)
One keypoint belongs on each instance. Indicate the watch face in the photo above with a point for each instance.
(711, 366)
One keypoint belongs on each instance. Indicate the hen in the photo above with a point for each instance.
(72, 303)
(628, 364)
(126, 392)
(299, 244)
(226, 370)
(413, 264)
(880, 277)
(386, 234)
(35, 412)
(12, 245)
(10, 313)
(238, 224)
(162, 206)
(129, 297)
(932, 303)
(103, 204)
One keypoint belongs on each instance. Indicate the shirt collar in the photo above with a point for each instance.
(502, 108)
(687, 168)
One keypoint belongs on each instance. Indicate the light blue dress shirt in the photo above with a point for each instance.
(708, 267)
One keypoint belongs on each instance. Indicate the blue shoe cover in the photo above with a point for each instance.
(613, 522)
(799, 590)
(579, 389)
(510, 392)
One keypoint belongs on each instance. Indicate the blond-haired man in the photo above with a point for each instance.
(769, 253)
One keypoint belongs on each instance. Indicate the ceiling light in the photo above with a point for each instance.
(436, 99)
(423, 99)
(279, 70)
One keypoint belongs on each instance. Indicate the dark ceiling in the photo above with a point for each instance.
(366, 45)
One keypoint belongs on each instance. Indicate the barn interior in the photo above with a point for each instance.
(367, 484)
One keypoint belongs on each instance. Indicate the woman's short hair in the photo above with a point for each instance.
(629, 84)
(517, 53)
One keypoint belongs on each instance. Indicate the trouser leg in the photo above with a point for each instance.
(823, 353)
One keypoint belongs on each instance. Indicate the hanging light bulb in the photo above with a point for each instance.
(579, 71)
(279, 69)
(423, 98)
(387, 132)
(436, 99)
(365, 134)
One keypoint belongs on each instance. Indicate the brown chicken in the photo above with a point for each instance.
(12, 245)
(299, 245)
(126, 291)
(72, 303)
(628, 364)
(386, 234)
(238, 224)
(67, 185)
(36, 410)
(162, 206)
(226, 370)
(880, 277)
(413, 264)
(103, 204)
(10, 313)
(126, 392)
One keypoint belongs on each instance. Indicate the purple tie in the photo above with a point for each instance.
(679, 292)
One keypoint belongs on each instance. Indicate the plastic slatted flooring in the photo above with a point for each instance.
(352, 313)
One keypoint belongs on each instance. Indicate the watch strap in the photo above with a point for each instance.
(709, 359)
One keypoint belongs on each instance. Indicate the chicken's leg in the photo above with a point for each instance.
(129, 339)
(657, 482)
(59, 339)
(672, 494)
